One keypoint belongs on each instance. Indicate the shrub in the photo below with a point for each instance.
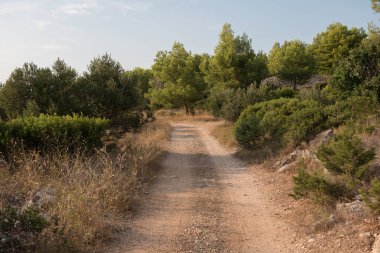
(352, 108)
(49, 131)
(247, 131)
(315, 186)
(19, 226)
(229, 103)
(280, 121)
(128, 121)
(346, 156)
(372, 196)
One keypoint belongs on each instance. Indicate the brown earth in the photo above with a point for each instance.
(206, 200)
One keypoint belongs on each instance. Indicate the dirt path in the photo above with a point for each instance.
(204, 200)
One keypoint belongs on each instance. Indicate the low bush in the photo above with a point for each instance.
(346, 157)
(315, 186)
(45, 132)
(279, 121)
(372, 196)
(128, 121)
(229, 104)
(19, 227)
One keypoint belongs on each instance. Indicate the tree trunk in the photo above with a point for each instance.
(295, 83)
(187, 109)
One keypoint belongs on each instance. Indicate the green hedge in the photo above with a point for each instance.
(49, 131)
(280, 121)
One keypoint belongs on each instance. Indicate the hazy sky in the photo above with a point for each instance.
(133, 31)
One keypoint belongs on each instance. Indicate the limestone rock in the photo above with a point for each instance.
(320, 139)
(354, 209)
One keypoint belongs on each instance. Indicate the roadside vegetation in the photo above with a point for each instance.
(76, 149)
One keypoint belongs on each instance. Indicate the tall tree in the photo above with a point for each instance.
(235, 63)
(178, 79)
(16, 92)
(140, 78)
(376, 5)
(291, 61)
(334, 44)
(64, 78)
(104, 90)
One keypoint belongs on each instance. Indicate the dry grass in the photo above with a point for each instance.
(92, 192)
(180, 115)
(224, 134)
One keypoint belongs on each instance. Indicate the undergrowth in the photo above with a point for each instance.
(90, 193)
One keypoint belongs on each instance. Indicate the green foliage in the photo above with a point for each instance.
(19, 225)
(346, 156)
(248, 131)
(376, 5)
(235, 64)
(128, 121)
(315, 186)
(49, 131)
(140, 78)
(280, 121)
(333, 45)
(229, 103)
(359, 72)
(104, 91)
(291, 61)
(178, 79)
(372, 195)
(30, 220)
(353, 108)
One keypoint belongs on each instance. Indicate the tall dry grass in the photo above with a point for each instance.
(91, 192)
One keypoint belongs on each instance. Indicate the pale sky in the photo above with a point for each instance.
(132, 31)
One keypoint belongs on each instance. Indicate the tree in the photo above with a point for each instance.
(334, 44)
(291, 61)
(140, 79)
(235, 64)
(17, 90)
(178, 79)
(376, 5)
(64, 78)
(104, 90)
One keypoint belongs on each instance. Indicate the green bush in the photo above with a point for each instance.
(280, 121)
(247, 132)
(315, 186)
(372, 196)
(19, 226)
(128, 121)
(353, 108)
(346, 157)
(44, 132)
(229, 103)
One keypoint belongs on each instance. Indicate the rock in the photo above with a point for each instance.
(365, 235)
(275, 82)
(42, 198)
(376, 245)
(320, 139)
(277, 164)
(352, 209)
(286, 167)
(316, 80)
(305, 154)
(292, 157)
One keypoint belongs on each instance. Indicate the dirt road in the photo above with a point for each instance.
(204, 200)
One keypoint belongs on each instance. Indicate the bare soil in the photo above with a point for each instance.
(206, 200)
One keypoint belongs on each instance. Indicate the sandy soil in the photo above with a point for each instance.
(204, 200)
